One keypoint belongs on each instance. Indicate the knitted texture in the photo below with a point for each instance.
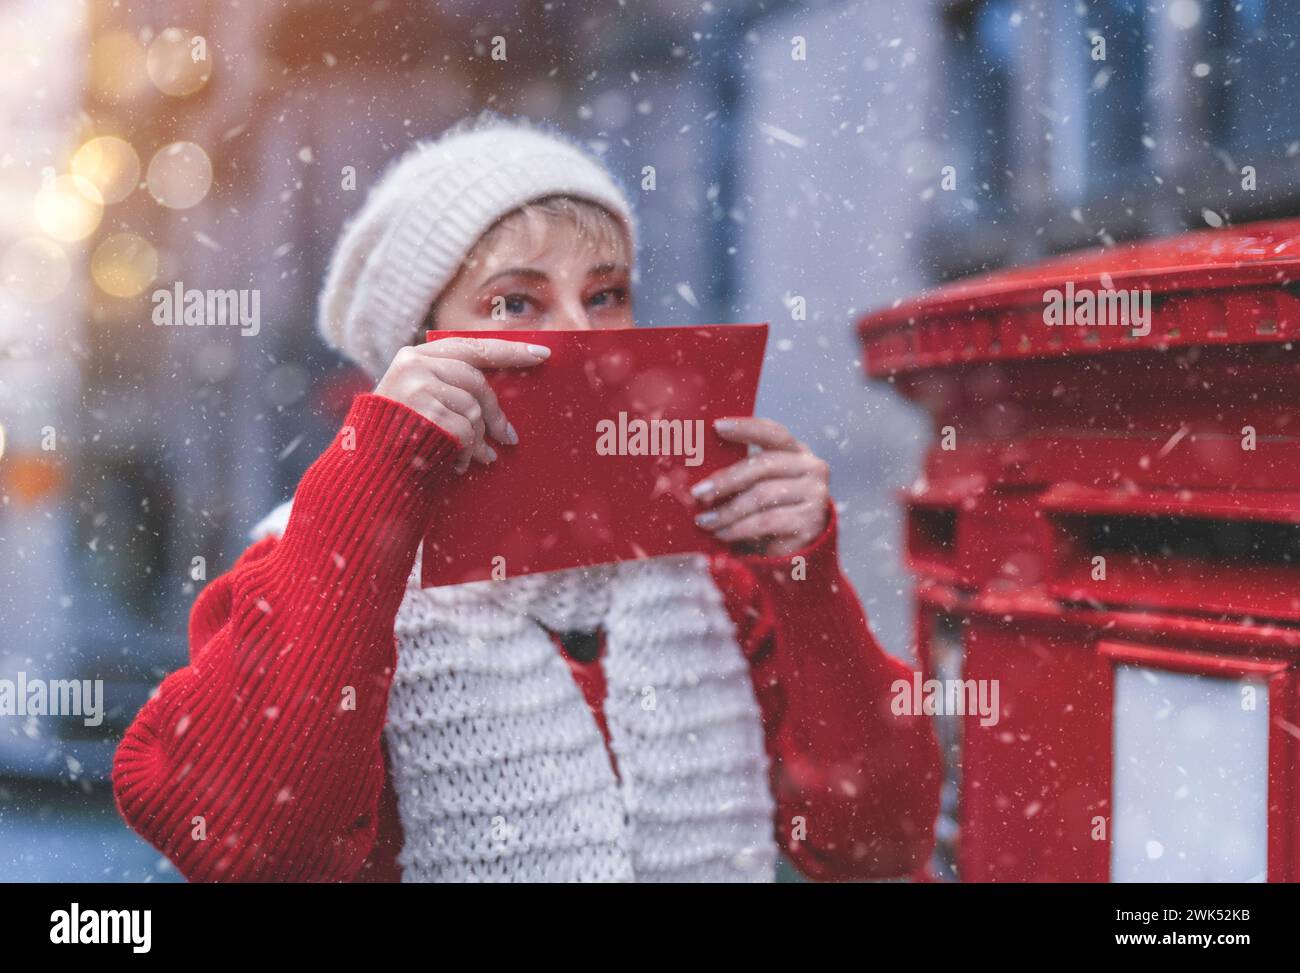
(425, 214)
(266, 756)
(499, 766)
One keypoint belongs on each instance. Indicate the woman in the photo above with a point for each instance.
(674, 718)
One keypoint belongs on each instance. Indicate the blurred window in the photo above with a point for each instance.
(1253, 53)
(1115, 103)
(981, 50)
(125, 514)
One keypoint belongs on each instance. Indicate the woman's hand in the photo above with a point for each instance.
(775, 499)
(442, 381)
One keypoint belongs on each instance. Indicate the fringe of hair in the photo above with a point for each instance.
(592, 221)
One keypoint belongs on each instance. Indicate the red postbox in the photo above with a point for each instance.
(1106, 542)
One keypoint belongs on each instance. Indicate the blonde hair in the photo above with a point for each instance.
(592, 221)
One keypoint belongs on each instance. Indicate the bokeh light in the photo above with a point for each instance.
(68, 208)
(124, 264)
(1185, 14)
(180, 175)
(171, 62)
(286, 385)
(214, 363)
(21, 54)
(117, 66)
(35, 270)
(110, 164)
(32, 478)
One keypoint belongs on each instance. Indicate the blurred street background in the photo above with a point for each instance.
(798, 152)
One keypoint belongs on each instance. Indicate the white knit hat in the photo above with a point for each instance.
(426, 213)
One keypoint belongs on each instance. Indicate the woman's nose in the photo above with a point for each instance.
(571, 318)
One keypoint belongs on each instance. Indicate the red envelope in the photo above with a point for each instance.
(614, 429)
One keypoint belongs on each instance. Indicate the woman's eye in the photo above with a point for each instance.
(514, 303)
(611, 295)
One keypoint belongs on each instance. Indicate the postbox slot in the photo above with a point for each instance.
(934, 529)
(1191, 564)
(1236, 542)
(932, 538)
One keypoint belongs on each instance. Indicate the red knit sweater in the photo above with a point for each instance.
(244, 765)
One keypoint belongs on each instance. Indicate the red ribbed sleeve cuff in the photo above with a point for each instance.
(856, 786)
(261, 759)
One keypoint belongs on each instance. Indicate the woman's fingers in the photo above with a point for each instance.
(456, 411)
(482, 453)
(442, 380)
(487, 352)
(466, 376)
(463, 404)
(460, 399)
(757, 431)
(764, 465)
(788, 522)
(763, 495)
(775, 497)
(444, 415)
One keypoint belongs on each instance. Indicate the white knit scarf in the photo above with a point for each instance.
(500, 768)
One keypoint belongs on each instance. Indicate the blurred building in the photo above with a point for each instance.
(40, 373)
(1183, 122)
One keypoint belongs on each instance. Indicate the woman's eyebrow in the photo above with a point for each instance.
(606, 268)
(530, 272)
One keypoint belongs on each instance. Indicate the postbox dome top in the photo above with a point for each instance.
(1210, 286)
